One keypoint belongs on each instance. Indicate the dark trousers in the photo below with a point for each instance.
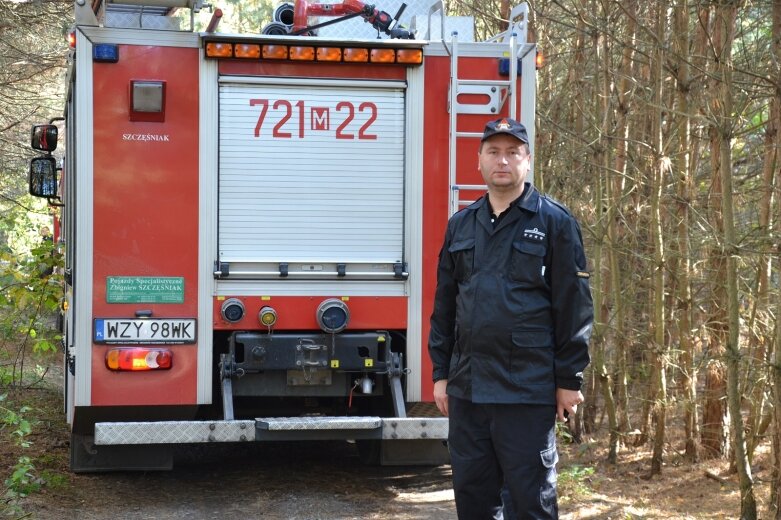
(503, 451)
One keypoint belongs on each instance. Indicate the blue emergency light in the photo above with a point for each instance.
(504, 67)
(105, 53)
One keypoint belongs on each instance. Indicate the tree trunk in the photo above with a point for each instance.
(646, 201)
(504, 13)
(616, 226)
(602, 161)
(715, 418)
(775, 114)
(684, 193)
(580, 94)
(722, 107)
(775, 483)
(760, 328)
(660, 167)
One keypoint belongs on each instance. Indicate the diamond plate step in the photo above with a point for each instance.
(398, 428)
(173, 432)
(424, 410)
(318, 423)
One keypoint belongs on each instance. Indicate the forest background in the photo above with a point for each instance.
(658, 125)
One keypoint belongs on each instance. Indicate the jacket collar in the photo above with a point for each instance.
(529, 201)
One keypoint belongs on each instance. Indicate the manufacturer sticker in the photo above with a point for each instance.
(144, 289)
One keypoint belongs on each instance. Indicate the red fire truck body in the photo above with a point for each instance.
(251, 227)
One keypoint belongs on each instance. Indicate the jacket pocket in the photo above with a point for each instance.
(527, 263)
(531, 359)
(463, 255)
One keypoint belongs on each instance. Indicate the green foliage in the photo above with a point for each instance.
(30, 292)
(21, 427)
(54, 480)
(23, 478)
(563, 433)
(574, 481)
(241, 16)
(252, 15)
(22, 481)
(32, 58)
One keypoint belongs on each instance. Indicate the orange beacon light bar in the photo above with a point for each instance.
(307, 52)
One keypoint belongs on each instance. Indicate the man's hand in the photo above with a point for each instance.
(566, 401)
(440, 395)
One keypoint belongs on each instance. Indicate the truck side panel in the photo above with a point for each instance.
(145, 219)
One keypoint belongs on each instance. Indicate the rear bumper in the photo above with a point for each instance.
(270, 429)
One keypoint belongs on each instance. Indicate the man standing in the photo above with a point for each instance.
(509, 335)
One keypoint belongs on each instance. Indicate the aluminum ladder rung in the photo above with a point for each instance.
(455, 82)
(469, 134)
(486, 82)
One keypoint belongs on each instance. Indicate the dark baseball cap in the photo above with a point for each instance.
(505, 126)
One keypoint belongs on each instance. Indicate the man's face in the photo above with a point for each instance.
(503, 163)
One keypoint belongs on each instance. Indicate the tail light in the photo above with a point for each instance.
(139, 358)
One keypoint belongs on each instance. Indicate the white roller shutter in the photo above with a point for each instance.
(311, 177)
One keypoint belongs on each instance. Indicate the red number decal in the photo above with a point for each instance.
(339, 131)
(288, 113)
(300, 106)
(262, 116)
(372, 118)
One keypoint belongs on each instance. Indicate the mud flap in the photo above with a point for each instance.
(86, 457)
(408, 452)
(414, 452)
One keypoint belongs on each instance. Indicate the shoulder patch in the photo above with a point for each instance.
(583, 274)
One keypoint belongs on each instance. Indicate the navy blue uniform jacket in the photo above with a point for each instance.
(512, 312)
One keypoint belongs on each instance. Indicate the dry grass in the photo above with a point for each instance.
(682, 491)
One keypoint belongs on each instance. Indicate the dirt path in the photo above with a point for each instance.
(326, 480)
(270, 481)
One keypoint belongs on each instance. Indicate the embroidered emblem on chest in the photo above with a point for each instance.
(534, 234)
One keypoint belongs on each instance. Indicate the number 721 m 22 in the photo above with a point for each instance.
(320, 118)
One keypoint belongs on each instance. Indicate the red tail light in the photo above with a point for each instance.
(139, 358)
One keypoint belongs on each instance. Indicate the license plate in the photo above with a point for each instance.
(145, 330)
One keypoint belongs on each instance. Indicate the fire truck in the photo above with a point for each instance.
(251, 222)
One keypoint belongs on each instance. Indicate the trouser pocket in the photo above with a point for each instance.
(549, 458)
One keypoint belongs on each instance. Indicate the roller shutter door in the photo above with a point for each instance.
(311, 176)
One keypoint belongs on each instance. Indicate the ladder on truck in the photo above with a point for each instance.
(498, 92)
(138, 14)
